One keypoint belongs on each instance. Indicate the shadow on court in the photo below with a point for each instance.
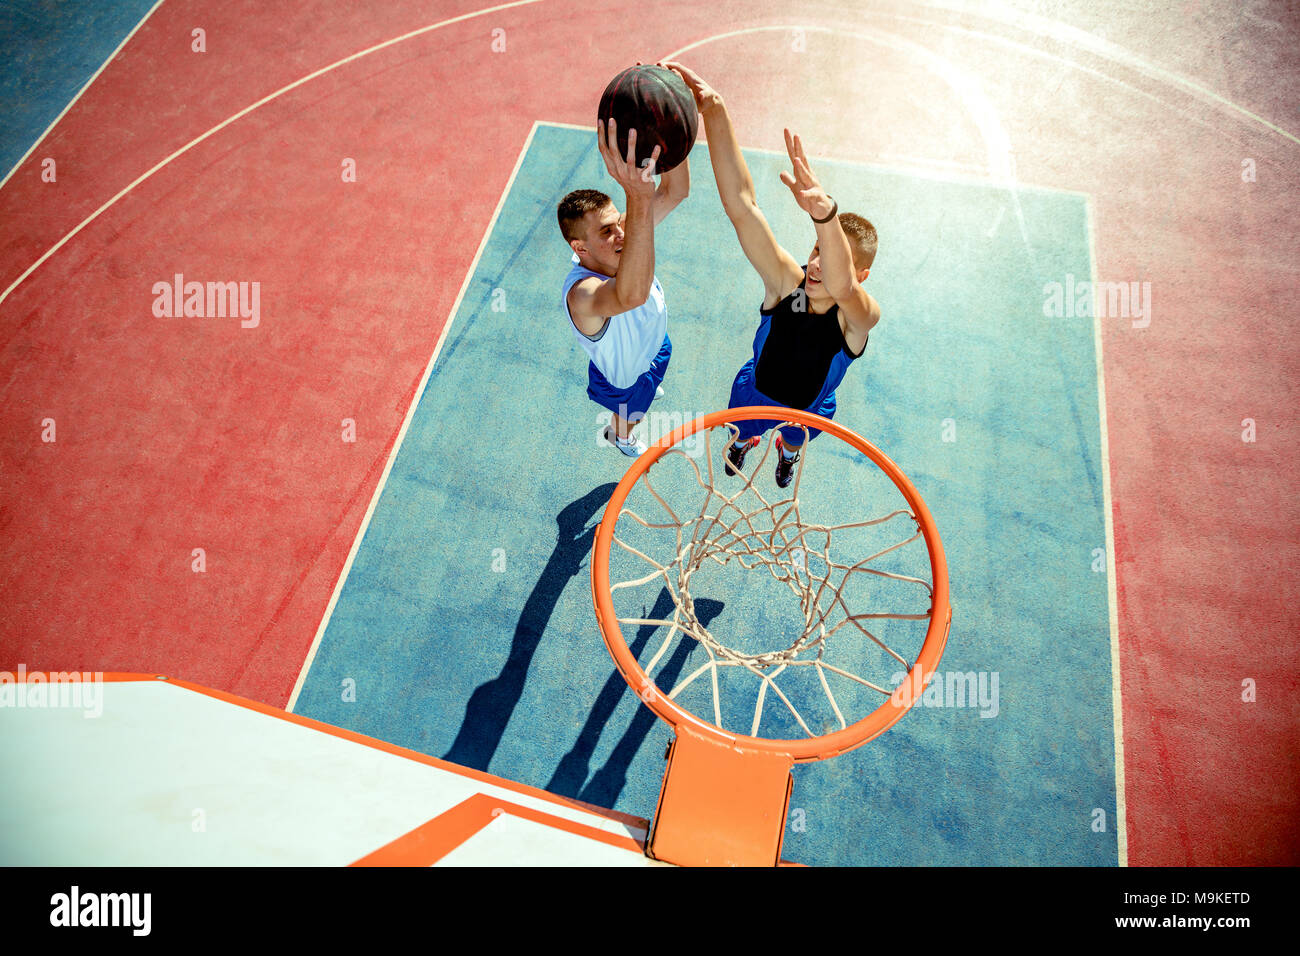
(607, 783)
(491, 705)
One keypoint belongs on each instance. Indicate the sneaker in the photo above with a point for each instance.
(736, 456)
(784, 466)
(632, 447)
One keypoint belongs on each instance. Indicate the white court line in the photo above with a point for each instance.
(1112, 597)
(1028, 50)
(997, 144)
(85, 86)
(406, 422)
(969, 168)
(585, 129)
(909, 165)
(1081, 39)
(924, 169)
(244, 112)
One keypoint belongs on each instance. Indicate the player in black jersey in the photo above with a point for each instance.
(815, 318)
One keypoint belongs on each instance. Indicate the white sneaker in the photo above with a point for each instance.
(632, 447)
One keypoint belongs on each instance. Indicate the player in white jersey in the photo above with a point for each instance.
(611, 296)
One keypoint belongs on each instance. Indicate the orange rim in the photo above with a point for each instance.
(809, 748)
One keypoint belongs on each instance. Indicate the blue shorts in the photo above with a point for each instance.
(744, 392)
(630, 404)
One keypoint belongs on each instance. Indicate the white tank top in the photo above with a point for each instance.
(630, 341)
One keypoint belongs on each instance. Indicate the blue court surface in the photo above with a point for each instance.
(465, 620)
(52, 48)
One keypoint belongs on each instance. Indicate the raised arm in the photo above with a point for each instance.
(674, 186)
(592, 300)
(778, 269)
(840, 277)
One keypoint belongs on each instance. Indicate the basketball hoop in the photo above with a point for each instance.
(762, 531)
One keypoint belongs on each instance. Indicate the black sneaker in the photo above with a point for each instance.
(784, 466)
(736, 456)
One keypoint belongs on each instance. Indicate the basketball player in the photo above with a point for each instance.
(815, 317)
(612, 297)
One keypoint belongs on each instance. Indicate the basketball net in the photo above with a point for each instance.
(773, 535)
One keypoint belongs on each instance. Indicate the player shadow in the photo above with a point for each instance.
(607, 783)
(492, 704)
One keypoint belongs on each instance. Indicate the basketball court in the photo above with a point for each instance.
(373, 503)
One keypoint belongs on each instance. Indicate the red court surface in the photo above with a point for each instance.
(193, 433)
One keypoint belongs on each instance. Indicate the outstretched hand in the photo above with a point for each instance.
(705, 95)
(808, 192)
(635, 181)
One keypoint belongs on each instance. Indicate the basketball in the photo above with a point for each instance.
(657, 104)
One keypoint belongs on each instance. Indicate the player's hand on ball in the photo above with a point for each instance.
(808, 192)
(634, 180)
(705, 95)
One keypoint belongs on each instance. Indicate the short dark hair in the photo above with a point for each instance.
(575, 206)
(862, 239)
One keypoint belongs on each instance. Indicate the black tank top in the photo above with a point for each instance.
(800, 347)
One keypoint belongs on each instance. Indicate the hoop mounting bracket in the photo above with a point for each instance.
(720, 804)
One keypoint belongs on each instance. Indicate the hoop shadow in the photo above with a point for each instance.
(607, 783)
(491, 705)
